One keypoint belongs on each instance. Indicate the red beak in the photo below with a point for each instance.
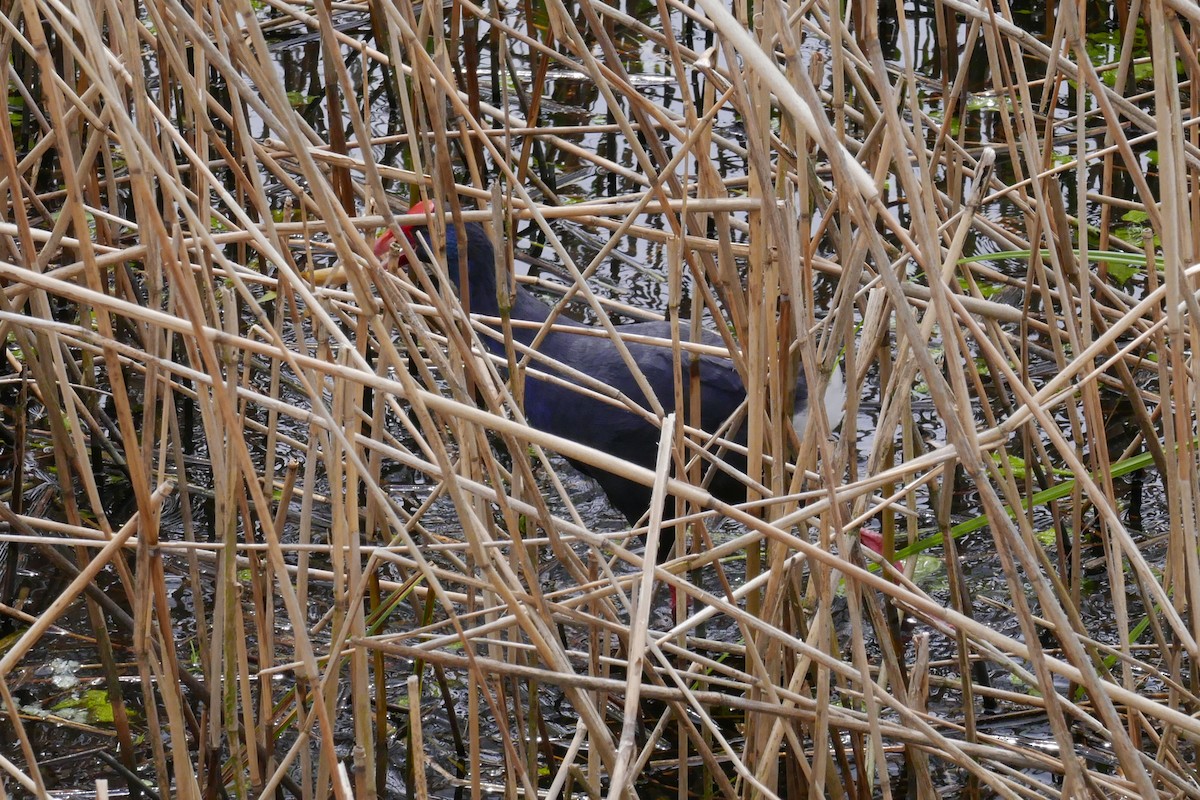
(873, 540)
(424, 207)
(384, 243)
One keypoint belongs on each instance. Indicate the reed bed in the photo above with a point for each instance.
(213, 389)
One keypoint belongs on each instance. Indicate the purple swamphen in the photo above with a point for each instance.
(558, 409)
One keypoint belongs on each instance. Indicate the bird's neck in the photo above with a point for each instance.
(483, 298)
(481, 295)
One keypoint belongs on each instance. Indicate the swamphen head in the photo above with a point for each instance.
(384, 243)
(480, 266)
